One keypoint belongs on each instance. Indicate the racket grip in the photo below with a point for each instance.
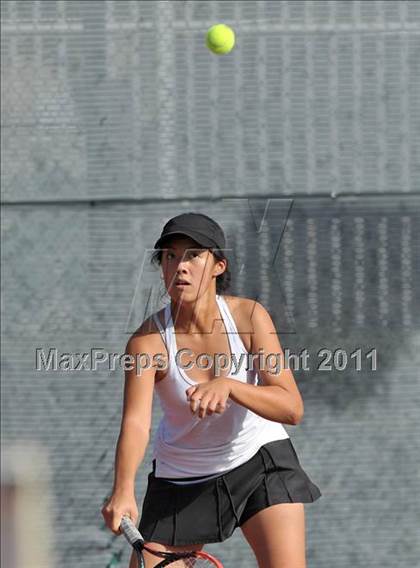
(130, 531)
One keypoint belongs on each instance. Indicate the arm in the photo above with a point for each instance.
(137, 415)
(134, 434)
(278, 399)
(131, 447)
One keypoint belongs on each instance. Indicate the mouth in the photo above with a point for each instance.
(181, 283)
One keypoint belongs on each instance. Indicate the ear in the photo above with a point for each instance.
(221, 267)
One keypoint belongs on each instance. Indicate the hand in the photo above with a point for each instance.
(209, 397)
(118, 505)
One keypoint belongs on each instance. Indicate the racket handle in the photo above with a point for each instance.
(130, 531)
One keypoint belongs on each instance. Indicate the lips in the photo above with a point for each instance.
(181, 283)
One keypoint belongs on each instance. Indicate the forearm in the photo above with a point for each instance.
(271, 402)
(131, 447)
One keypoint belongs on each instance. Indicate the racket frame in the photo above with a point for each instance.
(134, 537)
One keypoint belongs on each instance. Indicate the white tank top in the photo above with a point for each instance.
(187, 446)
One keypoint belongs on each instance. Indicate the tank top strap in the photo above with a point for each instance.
(167, 314)
(235, 338)
(169, 326)
(158, 324)
(160, 328)
(227, 316)
(166, 337)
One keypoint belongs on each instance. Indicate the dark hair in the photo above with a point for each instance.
(222, 281)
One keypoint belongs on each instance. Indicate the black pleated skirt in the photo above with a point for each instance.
(209, 511)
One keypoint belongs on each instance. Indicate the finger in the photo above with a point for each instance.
(116, 523)
(190, 391)
(212, 405)
(117, 520)
(135, 518)
(194, 403)
(220, 408)
(116, 531)
(195, 400)
(204, 402)
(115, 527)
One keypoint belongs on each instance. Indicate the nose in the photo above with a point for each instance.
(181, 267)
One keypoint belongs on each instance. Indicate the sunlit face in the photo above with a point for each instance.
(184, 260)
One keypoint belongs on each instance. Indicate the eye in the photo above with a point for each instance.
(194, 253)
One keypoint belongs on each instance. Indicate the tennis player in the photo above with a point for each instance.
(222, 458)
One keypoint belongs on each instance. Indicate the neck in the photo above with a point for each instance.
(195, 317)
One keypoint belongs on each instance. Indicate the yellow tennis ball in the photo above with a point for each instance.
(220, 39)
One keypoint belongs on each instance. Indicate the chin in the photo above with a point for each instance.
(175, 293)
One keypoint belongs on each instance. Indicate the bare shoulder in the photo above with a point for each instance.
(241, 307)
(243, 310)
(147, 333)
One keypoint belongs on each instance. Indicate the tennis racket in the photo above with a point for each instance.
(187, 559)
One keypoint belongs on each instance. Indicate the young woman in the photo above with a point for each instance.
(221, 457)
